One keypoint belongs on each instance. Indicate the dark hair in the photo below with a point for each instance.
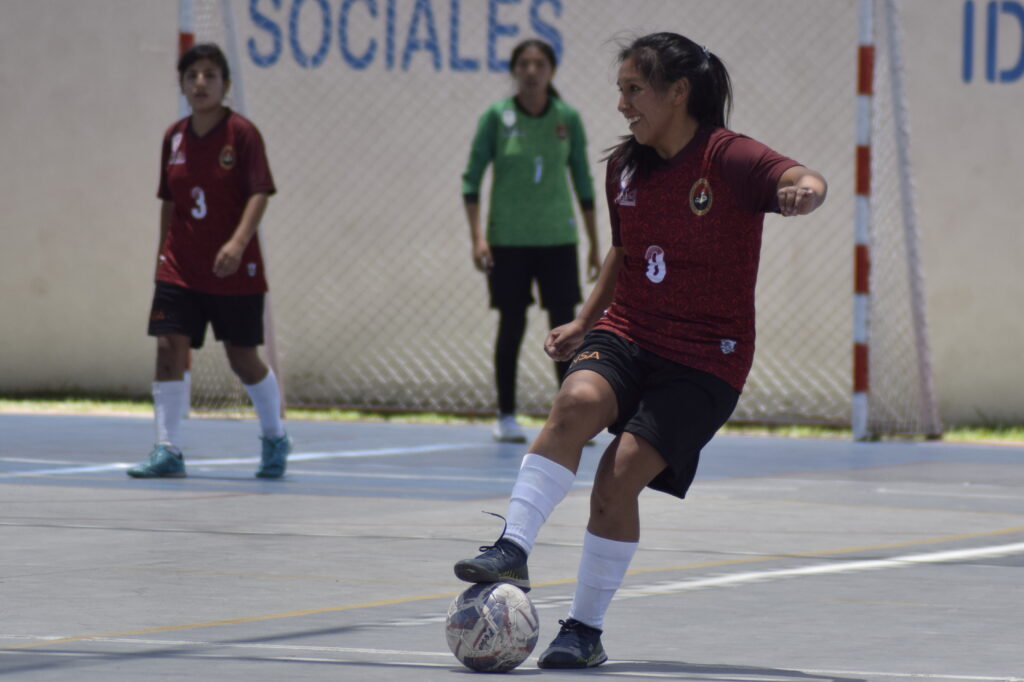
(548, 52)
(663, 59)
(203, 51)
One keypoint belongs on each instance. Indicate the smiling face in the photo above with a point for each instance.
(204, 86)
(533, 72)
(655, 117)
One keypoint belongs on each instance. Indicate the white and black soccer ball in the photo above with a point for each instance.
(492, 627)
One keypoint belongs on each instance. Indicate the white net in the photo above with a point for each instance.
(375, 300)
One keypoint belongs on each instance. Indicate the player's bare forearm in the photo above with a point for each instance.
(481, 250)
(601, 295)
(564, 340)
(801, 191)
(166, 216)
(593, 252)
(255, 206)
(230, 255)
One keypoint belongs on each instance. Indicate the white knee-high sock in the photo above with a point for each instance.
(602, 567)
(540, 486)
(266, 398)
(186, 395)
(168, 400)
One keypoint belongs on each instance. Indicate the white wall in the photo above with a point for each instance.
(88, 88)
(82, 105)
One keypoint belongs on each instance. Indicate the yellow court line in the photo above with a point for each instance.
(231, 621)
(408, 600)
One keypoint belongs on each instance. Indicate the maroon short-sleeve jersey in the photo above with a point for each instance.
(691, 232)
(209, 179)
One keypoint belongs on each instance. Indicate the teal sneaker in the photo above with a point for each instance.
(274, 459)
(164, 461)
(576, 645)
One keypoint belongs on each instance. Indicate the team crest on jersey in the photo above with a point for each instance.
(561, 131)
(177, 153)
(728, 346)
(227, 157)
(700, 197)
(655, 257)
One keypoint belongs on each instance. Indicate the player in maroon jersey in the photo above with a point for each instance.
(214, 185)
(662, 347)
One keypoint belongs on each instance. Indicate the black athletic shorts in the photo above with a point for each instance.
(675, 408)
(235, 319)
(555, 268)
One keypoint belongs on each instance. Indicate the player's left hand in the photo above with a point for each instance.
(227, 261)
(797, 200)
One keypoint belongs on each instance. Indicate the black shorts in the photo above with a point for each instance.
(237, 320)
(555, 268)
(675, 408)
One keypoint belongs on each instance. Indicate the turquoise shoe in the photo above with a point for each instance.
(164, 462)
(274, 458)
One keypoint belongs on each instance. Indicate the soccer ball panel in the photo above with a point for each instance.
(492, 627)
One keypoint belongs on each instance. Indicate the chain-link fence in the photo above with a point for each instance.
(368, 108)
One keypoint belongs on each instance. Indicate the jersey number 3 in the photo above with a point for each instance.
(199, 208)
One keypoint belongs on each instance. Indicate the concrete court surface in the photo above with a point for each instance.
(792, 560)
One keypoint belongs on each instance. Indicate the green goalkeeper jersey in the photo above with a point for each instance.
(530, 200)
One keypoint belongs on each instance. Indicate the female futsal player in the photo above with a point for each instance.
(531, 138)
(214, 184)
(664, 343)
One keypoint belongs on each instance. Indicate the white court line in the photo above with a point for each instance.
(296, 457)
(35, 460)
(927, 493)
(823, 569)
(703, 672)
(579, 482)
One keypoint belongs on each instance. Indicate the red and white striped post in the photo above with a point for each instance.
(862, 221)
(186, 39)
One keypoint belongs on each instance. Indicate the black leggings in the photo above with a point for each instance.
(511, 328)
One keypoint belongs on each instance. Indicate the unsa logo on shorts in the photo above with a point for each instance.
(587, 355)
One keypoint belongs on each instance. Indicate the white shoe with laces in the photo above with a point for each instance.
(508, 430)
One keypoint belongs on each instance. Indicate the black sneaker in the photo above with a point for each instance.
(575, 646)
(502, 562)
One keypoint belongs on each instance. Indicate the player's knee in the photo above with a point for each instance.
(578, 397)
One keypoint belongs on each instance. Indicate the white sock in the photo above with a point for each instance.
(267, 400)
(167, 403)
(602, 567)
(186, 395)
(540, 486)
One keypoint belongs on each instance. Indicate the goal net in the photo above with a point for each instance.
(367, 108)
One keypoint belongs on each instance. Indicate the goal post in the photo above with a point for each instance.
(889, 396)
(368, 107)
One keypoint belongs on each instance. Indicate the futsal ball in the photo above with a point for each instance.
(492, 627)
